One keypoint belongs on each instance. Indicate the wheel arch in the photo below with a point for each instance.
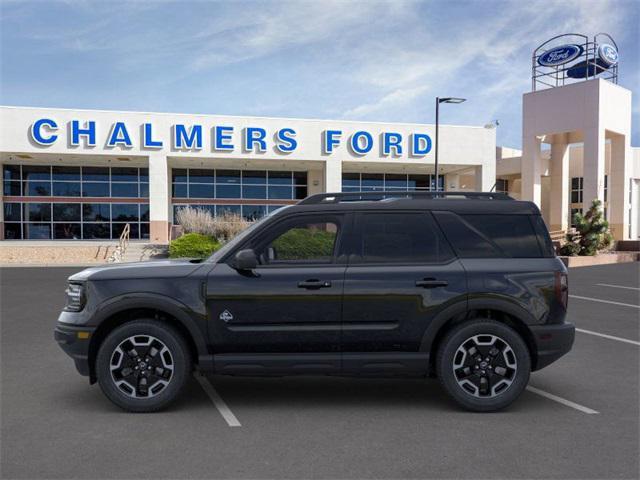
(119, 311)
(500, 309)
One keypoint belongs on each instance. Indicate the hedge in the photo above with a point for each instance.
(193, 245)
(302, 243)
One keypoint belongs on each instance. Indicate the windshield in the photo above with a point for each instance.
(231, 244)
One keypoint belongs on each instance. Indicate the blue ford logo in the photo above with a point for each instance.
(560, 55)
(608, 54)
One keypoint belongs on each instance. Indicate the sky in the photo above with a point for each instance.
(345, 60)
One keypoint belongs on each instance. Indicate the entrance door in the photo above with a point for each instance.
(402, 274)
(290, 305)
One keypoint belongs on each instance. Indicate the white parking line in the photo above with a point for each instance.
(563, 401)
(604, 301)
(616, 286)
(610, 337)
(217, 400)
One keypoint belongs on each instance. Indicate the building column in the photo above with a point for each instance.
(618, 187)
(332, 175)
(485, 176)
(559, 204)
(593, 164)
(531, 169)
(159, 198)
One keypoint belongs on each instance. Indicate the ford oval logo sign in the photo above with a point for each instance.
(608, 54)
(560, 55)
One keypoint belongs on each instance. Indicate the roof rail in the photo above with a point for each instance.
(391, 195)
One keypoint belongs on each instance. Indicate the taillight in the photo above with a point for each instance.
(562, 288)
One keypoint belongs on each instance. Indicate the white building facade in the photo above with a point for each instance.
(85, 174)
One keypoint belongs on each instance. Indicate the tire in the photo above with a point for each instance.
(146, 346)
(461, 369)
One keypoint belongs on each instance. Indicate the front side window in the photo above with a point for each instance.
(302, 241)
(401, 237)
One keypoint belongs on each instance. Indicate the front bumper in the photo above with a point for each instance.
(74, 340)
(552, 342)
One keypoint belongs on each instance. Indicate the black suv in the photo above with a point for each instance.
(462, 286)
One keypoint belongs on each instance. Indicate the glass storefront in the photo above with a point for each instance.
(63, 213)
(368, 182)
(246, 186)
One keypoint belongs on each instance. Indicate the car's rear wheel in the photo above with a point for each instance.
(143, 365)
(484, 365)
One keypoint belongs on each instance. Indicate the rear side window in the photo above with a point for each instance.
(399, 237)
(491, 236)
(543, 236)
(513, 234)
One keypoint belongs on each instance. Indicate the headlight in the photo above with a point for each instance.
(75, 297)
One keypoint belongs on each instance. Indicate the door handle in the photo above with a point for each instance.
(314, 284)
(431, 283)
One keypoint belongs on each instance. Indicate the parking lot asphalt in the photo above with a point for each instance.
(54, 425)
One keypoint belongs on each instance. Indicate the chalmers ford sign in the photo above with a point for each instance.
(222, 138)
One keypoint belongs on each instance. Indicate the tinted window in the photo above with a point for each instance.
(543, 236)
(302, 241)
(401, 237)
(467, 242)
(482, 236)
(514, 234)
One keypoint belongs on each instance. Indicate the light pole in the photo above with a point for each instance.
(438, 102)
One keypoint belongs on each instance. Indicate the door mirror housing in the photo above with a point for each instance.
(245, 260)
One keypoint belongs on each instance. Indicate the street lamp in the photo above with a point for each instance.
(438, 102)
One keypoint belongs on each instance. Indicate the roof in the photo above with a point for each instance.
(458, 202)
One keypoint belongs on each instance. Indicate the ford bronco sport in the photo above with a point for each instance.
(462, 286)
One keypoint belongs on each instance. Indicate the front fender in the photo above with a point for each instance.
(195, 323)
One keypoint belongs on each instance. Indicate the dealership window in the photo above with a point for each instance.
(576, 189)
(573, 212)
(368, 182)
(248, 187)
(74, 221)
(63, 212)
(502, 185)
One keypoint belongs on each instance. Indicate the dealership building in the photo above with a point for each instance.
(86, 174)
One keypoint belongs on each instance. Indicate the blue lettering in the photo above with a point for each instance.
(253, 136)
(147, 138)
(421, 144)
(119, 136)
(221, 137)
(36, 131)
(330, 141)
(356, 144)
(186, 139)
(391, 140)
(286, 141)
(89, 131)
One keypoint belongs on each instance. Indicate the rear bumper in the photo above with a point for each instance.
(75, 343)
(552, 342)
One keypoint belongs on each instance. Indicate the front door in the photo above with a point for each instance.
(401, 274)
(291, 304)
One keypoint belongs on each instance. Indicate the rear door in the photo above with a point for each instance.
(401, 274)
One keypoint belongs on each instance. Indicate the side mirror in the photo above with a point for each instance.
(245, 260)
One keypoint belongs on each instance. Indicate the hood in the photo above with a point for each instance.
(149, 269)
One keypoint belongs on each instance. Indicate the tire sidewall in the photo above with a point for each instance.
(174, 342)
(478, 327)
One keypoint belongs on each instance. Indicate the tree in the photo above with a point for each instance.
(591, 235)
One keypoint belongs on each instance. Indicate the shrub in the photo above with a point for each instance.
(591, 235)
(223, 227)
(193, 245)
(300, 243)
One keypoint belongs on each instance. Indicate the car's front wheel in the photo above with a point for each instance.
(484, 365)
(143, 365)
